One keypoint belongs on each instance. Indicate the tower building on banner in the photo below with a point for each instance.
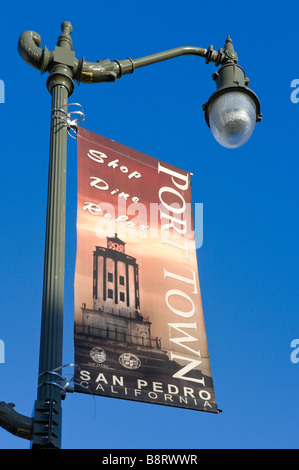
(116, 315)
(113, 343)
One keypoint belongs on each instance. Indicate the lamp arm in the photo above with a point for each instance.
(103, 71)
(106, 71)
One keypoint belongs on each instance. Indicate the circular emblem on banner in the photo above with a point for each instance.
(130, 361)
(98, 355)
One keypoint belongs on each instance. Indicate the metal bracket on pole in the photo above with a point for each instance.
(61, 382)
(66, 116)
(47, 424)
(47, 413)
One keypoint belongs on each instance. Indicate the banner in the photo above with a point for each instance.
(139, 327)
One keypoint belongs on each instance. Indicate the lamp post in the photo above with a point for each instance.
(231, 113)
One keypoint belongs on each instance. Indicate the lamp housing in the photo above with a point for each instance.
(233, 110)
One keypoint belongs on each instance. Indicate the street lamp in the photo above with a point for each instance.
(231, 113)
(233, 110)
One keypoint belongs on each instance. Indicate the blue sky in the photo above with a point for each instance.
(248, 263)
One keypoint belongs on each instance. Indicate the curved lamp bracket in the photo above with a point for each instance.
(104, 70)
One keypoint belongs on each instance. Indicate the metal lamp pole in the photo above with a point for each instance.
(47, 415)
(63, 68)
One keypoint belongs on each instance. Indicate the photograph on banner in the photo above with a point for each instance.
(139, 330)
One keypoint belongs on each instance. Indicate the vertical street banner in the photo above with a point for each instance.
(139, 330)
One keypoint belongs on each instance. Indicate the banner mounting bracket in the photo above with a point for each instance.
(66, 116)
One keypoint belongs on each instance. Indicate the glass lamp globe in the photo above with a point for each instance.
(232, 118)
